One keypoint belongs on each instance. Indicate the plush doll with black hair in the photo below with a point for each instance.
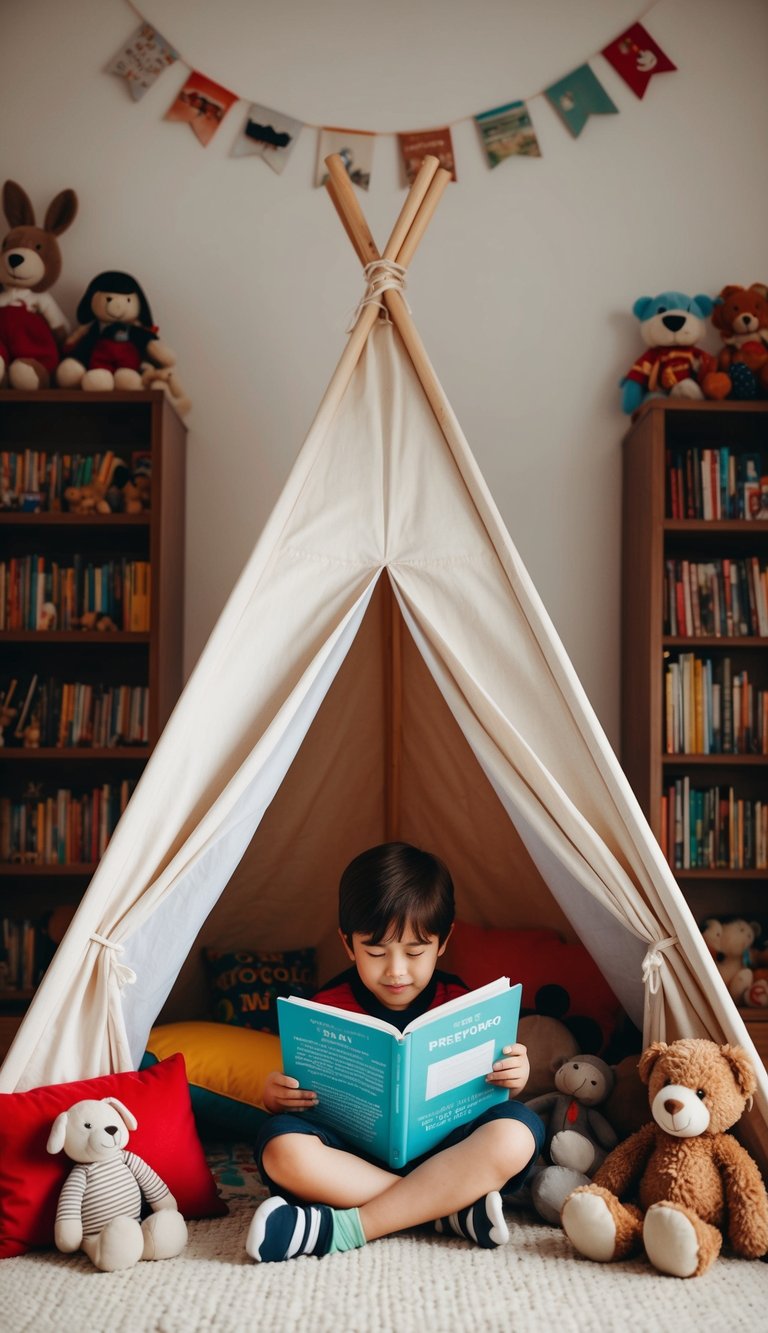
(116, 338)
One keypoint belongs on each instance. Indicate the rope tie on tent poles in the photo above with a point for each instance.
(125, 976)
(381, 275)
(653, 961)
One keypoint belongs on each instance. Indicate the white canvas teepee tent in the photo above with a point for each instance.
(384, 667)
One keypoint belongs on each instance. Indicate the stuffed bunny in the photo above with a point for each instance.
(100, 1202)
(32, 326)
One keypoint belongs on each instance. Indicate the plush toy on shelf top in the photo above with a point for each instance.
(32, 326)
(116, 344)
(740, 316)
(672, 326)
(734, 944)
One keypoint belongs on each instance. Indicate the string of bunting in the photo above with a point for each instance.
(504, 131)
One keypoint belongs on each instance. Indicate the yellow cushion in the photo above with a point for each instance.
(226, 1069)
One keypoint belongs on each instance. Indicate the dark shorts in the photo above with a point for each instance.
(305, 1123)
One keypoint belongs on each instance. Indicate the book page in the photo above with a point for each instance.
(454, 1070)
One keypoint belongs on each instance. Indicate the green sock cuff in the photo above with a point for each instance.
(348, 1231)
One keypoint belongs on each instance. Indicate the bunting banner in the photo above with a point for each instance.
(201, 104)
(637, 57)
(269, 133)
(145, 55)
(354, 147)
(577, 97)
(418, 144)
(507, 132)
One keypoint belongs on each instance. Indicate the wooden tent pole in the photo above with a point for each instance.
(345, 202)
(393, 711)
(369, 313)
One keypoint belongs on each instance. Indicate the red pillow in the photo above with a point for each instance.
(31, 1178)
(536, 958)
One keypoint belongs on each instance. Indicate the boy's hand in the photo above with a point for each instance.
(282, 1093)
(511, 1072)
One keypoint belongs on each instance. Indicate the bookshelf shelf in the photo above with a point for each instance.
(91, 782)
(667, 433)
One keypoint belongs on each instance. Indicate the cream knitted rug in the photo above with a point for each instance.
(411, 1283)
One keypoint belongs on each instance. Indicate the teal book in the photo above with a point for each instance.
(395, 1095)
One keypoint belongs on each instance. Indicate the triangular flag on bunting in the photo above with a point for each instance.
(354, 147)
(418, 144)
(271, 134)
(577, 97)
(202, 104)
(507, 132)
(145, 55)
(637, 57)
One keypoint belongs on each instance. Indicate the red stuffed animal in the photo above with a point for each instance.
(741, 317)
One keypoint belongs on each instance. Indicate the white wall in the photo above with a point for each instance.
(522, 290)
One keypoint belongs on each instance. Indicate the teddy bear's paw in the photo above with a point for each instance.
(69, 373)
(589, 1225)
(550, 1189)
(27, 375)
(118, 1245)
(125, 378)
(677, 1242)
(2, 371)
(165, 1234)
(98, 381)
(574, 1150)
(686, 389)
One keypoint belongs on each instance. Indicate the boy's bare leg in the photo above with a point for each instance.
(450, 1180)
(311, 1170)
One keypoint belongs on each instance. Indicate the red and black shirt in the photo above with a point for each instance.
(346, 991)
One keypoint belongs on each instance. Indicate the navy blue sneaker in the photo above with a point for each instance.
(281, 1230)
(483, 1222)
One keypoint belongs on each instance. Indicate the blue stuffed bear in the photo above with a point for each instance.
(670, 326)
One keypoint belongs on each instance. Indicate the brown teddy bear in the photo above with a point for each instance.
(694, 1183)
(740, 315)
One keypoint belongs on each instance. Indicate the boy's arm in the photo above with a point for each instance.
(282, 1093)
(511, 1072)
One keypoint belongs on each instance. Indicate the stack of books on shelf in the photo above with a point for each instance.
(19, 969)
(718, 598)
(712, 709)
(715, 484)
(34, 480)
(76, 713)
(65, 828)
(712, 828)
(42, 592)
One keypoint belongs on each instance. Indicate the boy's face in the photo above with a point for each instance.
(395, 971)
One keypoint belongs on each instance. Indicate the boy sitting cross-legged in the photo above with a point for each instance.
(396, 913)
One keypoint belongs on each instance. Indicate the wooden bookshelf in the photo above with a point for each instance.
(651, 537)
(74, 422)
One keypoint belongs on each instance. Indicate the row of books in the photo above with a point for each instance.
(721, 598)
(712, 709)
(41, 592)
(19, 955)
(77, 713)
(65, 828)
(715, 483)
(712, 829)
(36, 479)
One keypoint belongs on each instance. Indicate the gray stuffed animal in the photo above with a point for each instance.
(578, 1137)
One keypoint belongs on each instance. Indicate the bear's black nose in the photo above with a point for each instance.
(110, 1129)
(15, 260)
(673, 322)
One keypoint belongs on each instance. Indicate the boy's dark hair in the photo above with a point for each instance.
(396, 885)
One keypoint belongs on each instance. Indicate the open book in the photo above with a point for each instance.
(395, 1095)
